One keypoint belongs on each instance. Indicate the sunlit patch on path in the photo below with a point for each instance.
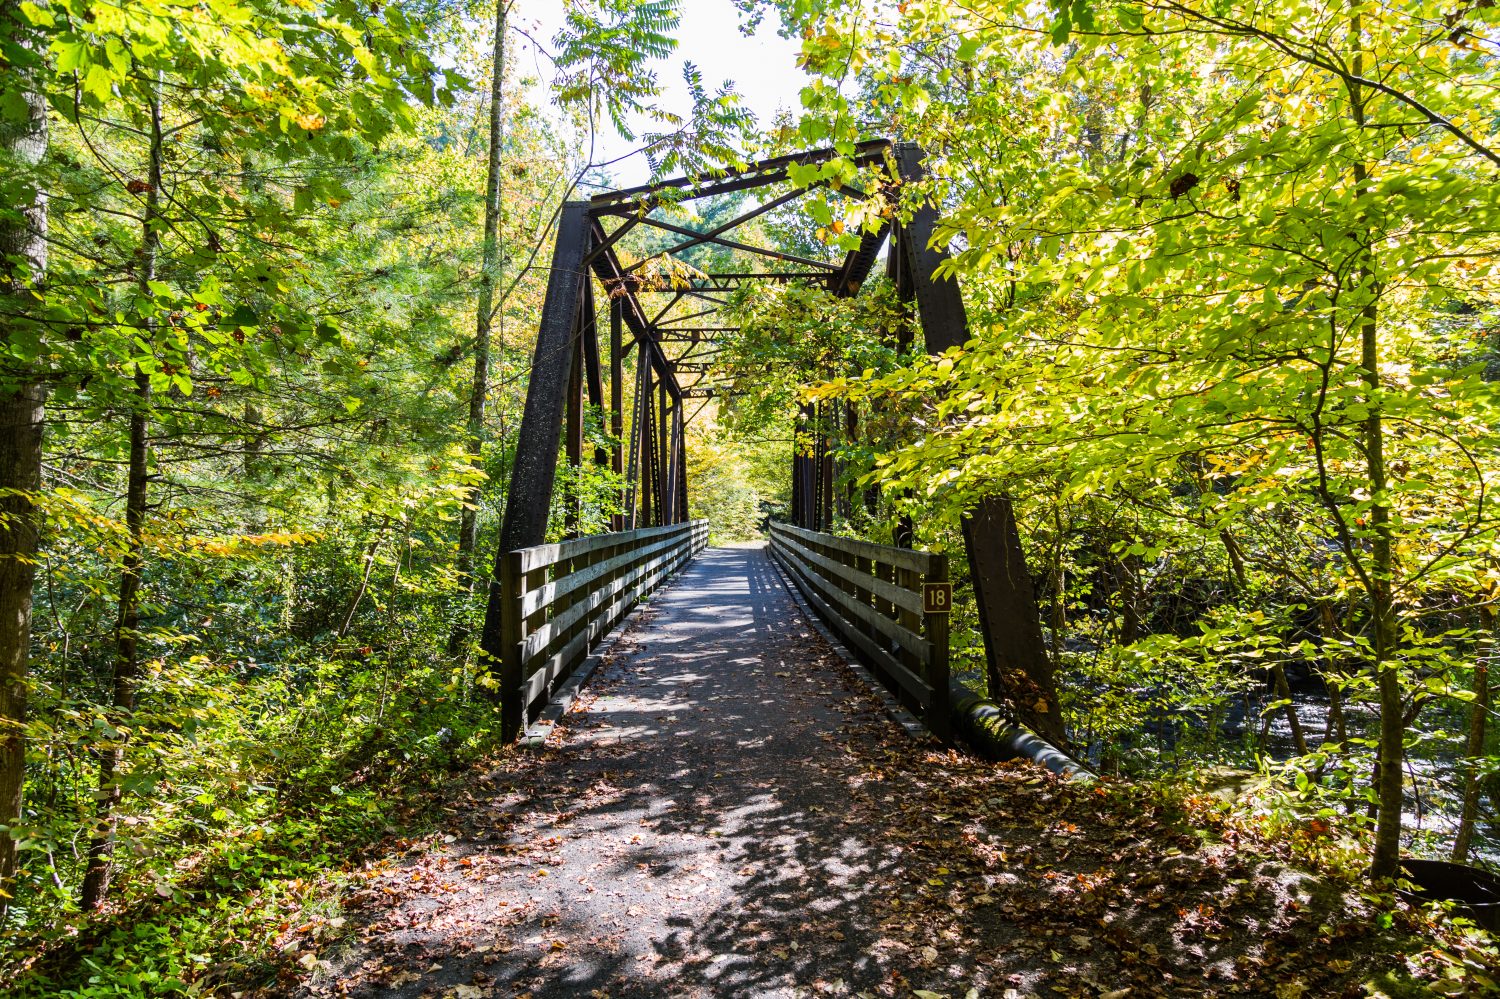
(726, 812)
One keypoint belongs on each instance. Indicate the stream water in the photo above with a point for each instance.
(1433, 784)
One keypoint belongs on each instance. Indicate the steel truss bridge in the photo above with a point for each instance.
(549, 605)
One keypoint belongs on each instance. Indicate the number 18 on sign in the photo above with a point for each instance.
(937, 598)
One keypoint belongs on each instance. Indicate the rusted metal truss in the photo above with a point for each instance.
(676, 338)
(675, 333)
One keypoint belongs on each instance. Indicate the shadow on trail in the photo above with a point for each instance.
(692, 834)
(726, 813)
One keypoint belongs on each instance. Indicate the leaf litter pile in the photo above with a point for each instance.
(728, 811)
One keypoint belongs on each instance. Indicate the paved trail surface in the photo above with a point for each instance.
(727, 812)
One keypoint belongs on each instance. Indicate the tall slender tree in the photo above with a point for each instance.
(128, 620)
(23, 266)
(468, 530)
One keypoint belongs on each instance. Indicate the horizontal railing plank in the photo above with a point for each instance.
(885, 590)
(558, 667)
(901, 558)
(879, 658)
(543, 635)
(543, 556)
(560, 664)
(548, 593)
(596, 597)
(864, 613)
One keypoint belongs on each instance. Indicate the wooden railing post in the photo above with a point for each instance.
(935, 629)
(512, 708)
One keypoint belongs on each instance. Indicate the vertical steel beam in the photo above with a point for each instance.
(825, 469)
(534, 473)
(572, 494)
(633, 489)
(1017, 664)
(898, 269)
(669, 482)
(663, 458)
(1018, 667)
(592, 367)
(806, 484)
(529, 498)
(683, 513)
(679, 474)
(647, 444)
(814, 473)
(939, 304)
(795, 513)
(617, 406)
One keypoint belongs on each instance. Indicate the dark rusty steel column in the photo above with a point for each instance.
(1016, 655)
(529, 499)
(825, 470)
(851, 497)
(805, 484)
(534, 474)
(663, 458)
(592, 367)
(669, 443)
(898, 269)
(617, 405)
(679, 465)
(684, 514)
(647, 437)
(572, 495)
(1018, 666)
(795, 513)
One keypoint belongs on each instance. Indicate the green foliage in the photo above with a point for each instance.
(1230, 273)
(315, 234)
(246, 792)
(736, 481)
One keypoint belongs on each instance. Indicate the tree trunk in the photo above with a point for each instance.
(1236, 561)
(1389, 785)
(1059, 615)
(253, 467)
(364, 579)
(23, 239)
(468, 527)
(96, 877)
(20, 480)
(1284, 694)
(1478, 709)
(1128, 571)
(1336, 728)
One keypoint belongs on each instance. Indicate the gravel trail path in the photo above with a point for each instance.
(726, 811)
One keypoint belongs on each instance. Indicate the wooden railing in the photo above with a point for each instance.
(873, 596)
(560, 600)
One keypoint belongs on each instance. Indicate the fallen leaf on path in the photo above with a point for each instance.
(464, 992)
